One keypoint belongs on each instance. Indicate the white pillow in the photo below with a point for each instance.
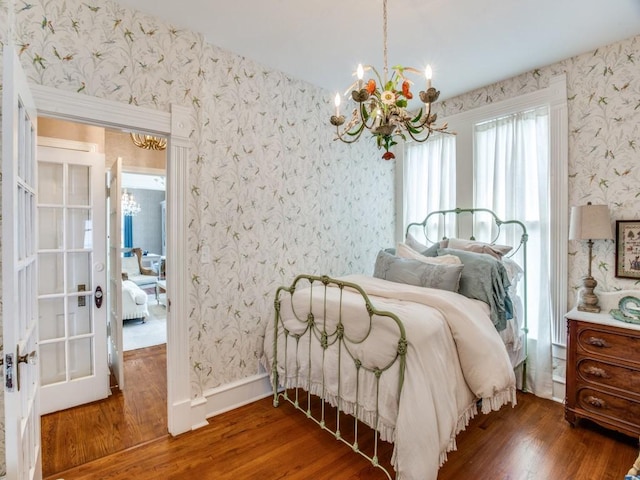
(405, 251)
(414, 244)
(496, 251)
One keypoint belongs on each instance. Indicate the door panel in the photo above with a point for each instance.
(19, 275)
(116, 353)
(72, 255)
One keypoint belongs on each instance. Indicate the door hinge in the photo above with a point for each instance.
(108, 191)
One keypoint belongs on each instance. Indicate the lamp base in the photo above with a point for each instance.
(586, 308)
(588, 301)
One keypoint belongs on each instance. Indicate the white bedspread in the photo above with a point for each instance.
(454, 357)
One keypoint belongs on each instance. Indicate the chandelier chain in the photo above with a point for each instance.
(384, 39)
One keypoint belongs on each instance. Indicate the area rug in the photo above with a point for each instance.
(153, 331)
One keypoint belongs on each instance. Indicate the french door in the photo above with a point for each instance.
(72, 278)
(19, 275)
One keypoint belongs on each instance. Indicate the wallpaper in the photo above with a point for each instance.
(603, 92)
(272, 194)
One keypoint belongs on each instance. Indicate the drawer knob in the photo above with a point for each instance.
(597, 372)
(597, 342)
(595, 401)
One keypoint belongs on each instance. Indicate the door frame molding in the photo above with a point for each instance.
(176, 126)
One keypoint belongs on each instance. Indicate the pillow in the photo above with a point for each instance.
(484, 278)
(492, 249)
(514, 272)
(431, 251)
(404, 251)
(415, 272)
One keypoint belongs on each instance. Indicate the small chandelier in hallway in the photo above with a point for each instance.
(129, 205)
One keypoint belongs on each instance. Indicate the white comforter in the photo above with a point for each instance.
(454, 357)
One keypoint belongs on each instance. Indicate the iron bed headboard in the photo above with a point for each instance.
(498, 223)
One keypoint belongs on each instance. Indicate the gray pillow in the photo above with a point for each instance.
(414, 272)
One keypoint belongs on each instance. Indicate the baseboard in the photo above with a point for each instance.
(559, 353)
(230, 396)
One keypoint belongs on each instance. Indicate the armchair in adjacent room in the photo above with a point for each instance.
(133, 270)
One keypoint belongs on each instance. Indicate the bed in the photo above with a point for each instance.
(403, 351)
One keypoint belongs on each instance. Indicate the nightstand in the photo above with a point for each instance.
(603, 371)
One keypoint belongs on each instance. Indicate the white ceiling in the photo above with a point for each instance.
(469, 43)
(143, 181)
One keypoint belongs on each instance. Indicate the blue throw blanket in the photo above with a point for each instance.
(485, 278)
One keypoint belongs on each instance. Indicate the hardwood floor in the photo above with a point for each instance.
(81, 434)
(531, 441)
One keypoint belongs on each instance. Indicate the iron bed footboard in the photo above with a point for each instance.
(332, 336)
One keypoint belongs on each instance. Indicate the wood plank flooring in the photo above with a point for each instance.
(529, 442)
(81, 434)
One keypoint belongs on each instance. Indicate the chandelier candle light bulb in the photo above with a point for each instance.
(382, 105)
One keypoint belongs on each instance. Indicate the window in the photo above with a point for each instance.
(511, 177)
(430, 179)
(511, 157)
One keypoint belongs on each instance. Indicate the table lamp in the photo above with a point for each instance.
(589, 222)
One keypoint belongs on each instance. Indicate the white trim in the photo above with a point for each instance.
(233, 395)
(76, 107)
(400, 188)
(67, 144)
(176, 125)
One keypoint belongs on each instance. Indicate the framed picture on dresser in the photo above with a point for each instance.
(628, 248)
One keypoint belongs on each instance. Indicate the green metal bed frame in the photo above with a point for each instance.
(314, 326)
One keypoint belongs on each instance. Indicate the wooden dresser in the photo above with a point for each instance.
(603, 371)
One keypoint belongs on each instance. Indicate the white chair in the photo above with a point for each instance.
(134, 301)
(133, 270)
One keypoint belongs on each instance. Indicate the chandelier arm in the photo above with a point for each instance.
(425, 123)
(356, 134)
(364, 115)
(417, 139)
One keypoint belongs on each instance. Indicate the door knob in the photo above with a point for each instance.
(29, 358)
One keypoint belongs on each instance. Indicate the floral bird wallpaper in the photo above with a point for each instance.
(272, 193)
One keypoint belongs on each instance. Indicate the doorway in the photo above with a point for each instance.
(143, 222)
(109, 141)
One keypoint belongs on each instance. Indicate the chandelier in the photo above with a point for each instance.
(148, 142)
(129, 205)
(382, 106)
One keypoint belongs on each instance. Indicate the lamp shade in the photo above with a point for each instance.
(590, 222)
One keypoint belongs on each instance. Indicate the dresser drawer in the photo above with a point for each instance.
(611, 375)
(600, 341)
(609, 406)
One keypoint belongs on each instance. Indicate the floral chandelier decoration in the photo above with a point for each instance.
(382, 105)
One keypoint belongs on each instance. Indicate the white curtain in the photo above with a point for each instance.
(511, 177)
(430, 179)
